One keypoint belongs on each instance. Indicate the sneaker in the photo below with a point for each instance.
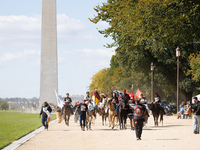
(195, 132)
(138, 139)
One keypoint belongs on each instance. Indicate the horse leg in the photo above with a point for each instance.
(125, 122)
(68, 120)
(110, 119)
(105, 120)
(113, 121)
(161, 117)
(86, 122)
(102, 119)
(90, 121)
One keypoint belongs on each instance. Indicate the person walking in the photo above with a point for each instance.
(59, 116)
(82, 109)
(139, 110)
(46, 114)
(196, 115)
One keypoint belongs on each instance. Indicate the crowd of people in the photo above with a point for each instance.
(185, 111)
(136, 110)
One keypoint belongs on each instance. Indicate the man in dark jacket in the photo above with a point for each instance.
(139, 110)
(45, 112)
(82, 109)
(196, 115)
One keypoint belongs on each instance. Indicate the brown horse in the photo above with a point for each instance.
(156, 111)
(89, 118)
(66, 113)
(112, 110)
(123, 112)
(104, 115)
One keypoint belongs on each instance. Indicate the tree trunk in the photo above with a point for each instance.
(187, 96)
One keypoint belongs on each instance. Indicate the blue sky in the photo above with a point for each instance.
(81, 53)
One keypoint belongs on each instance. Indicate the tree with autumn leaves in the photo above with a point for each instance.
(146, 31)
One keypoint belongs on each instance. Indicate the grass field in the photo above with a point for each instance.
(14, 125)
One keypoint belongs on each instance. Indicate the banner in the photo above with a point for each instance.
(59, 102)
(138, 94)
(96, 97)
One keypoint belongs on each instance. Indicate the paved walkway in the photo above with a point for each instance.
(174, 134)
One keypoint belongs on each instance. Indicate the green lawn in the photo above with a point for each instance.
(14, 125)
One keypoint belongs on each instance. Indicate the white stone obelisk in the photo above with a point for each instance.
(49, 69)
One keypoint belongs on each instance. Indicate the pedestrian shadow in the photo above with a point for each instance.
(173, 139)
(152, 129)
(106, 130)
(173, 125)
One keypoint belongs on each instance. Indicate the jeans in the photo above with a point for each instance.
(196, 123)
(44, 122)
(117, 107)
(138, 128)
(82, 118)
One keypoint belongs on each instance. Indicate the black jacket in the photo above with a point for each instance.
(139, 111)
(130, 108)
(45, 107)
(196, 108)
(125, 97)
(82, 109)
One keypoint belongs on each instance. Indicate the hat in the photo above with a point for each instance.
(124, 90)
(195, 98)
(103, 94)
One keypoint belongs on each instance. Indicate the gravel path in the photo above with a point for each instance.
(175, 134)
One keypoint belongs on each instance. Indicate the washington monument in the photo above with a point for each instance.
(49, 71)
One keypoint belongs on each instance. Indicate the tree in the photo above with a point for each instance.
(146, 31)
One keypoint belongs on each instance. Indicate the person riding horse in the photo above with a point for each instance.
(157, 100)
(143, 101)
(67, 101)
(123, 97)
(87, 97)
(114, 99)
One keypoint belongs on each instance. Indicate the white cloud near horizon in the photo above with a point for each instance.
(10, 56)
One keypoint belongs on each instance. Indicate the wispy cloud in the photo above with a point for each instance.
(8, 56)
(26, 31)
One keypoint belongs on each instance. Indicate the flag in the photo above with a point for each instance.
(96, 97)
(59, 102)
(131, 96)
(138, 94)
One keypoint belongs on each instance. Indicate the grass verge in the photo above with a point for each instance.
(14, 125)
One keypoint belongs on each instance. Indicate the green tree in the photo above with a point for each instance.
(146, 31)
